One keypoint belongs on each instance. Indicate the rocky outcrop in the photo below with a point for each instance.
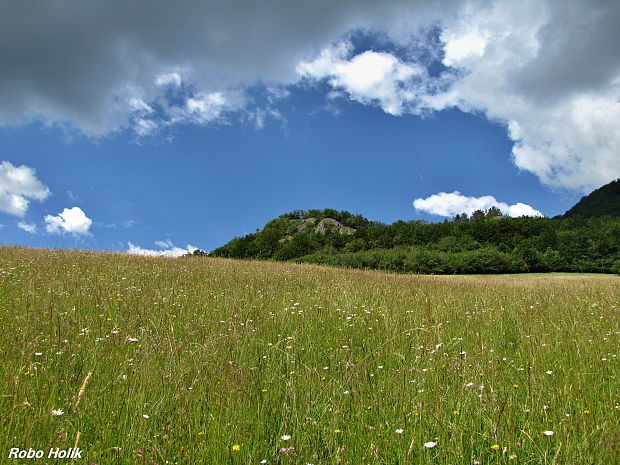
(305, 224)
(331, 225)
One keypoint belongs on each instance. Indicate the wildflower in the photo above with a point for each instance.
(549, 372)
(430, 444)
(495, 447)
(236, 448)
(145, 416)
(57, 413)
(586, 412)
(286, 450)
(132, 339)
(548, 433)
(399, 431)
(515, 386)
(263, 461)
(456, 412)
(546, 408)
(285, 437)
(38, 353)
(337, 431)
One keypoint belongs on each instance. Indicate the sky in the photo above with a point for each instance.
(159, 127)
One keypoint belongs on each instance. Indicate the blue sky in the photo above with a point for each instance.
(408, 112)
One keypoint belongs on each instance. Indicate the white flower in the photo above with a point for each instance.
(263, 461)
(38, 353)
(548, 433)
(549, 372)
(286, 437)
(145, 416)
(132, 339)
(430, 445)
(399, 431)
(346, 392)
(57, 413)
(469, 384)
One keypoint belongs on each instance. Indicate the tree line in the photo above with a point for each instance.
(483, 242)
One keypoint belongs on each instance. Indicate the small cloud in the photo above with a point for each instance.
(168, 250)
(144, 127)
(164, 244)
(28, 227)
(169, 79)
(140, 106)
(444, 204)
(368, 77)
(70, 220)
(17, 185)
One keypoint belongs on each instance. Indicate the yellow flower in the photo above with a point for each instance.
(586, 412)
(515, 386)
(236, 448)
(495, 447)
(337, 431)
(263, 390)
(456, 412)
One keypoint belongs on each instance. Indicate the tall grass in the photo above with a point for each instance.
(213, 361)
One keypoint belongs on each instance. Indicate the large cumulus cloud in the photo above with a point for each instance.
(549, 70)
(80, 63)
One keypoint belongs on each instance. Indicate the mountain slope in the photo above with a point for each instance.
(603, 201)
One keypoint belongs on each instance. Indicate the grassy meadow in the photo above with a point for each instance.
(215, 361)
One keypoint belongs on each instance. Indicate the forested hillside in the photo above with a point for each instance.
(585, 239)
(603, 201)
(484, 243)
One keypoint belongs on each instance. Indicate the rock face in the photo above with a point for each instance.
(330, 224)
(305, 224)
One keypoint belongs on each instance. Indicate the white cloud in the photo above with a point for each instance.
(547, 71)
(144, 127)
(82, 68)
(28, 227)
(522, 209)
(140, 106)
(368, 77)
(17, 185)
(550, 67)
(169, 79)
(451, 204)
(164, 244)
(70, 220)
(458, 48)
(169, 250)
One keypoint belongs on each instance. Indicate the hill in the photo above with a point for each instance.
(603, 201)
(485, 242)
